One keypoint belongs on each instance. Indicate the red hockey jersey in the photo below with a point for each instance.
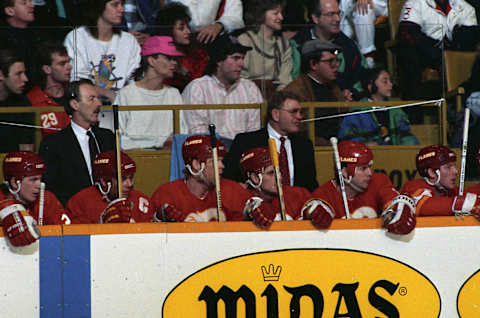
(194, 209)
(368, 204)
(87, 206)
(53, 211)
(294, 197)
(427, 203)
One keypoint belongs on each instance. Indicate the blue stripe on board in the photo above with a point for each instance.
(76, 268)
(50, 277)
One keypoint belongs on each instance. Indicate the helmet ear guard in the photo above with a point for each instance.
(255, 161)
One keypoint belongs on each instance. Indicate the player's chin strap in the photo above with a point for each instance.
(436, 183)
(15, 192)
(104, 193)
(391, 215)
(199, 173)
(258, 185)
(353, 185)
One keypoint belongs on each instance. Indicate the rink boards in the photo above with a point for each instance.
(236, 270)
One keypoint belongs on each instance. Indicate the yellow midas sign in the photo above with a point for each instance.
(468, 299)
(304, 283)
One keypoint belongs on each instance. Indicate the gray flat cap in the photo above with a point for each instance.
(316, 46)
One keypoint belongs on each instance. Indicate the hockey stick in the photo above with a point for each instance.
(117, 150)
(336, 156)
(274, 155)
(213, 141)
(41, 203)
(466, 122)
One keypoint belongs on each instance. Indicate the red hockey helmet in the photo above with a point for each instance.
(104, 165)
(434, 157)
(255, 160)
(22, 164)
(199, 147)
(354, 154)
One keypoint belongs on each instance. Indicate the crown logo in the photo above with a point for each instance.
(271, 274)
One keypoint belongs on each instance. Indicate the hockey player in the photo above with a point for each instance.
(369, 194)
(193, 199)
(436, 192)
(100, 203)
(264, 207)
(23, 203)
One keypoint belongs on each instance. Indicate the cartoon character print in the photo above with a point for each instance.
(103, 74)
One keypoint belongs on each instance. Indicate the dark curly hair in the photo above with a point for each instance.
(168, 15)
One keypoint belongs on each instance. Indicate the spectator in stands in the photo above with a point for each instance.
(294, 21)
(17, 16)
(436, 192)
(269, 62)
(472, 94)
(172, 20)
(296, 157)
(358, 21)
(101, 202)
(150, 129)
(50, 18)
(101, 52)
(352, 68)
(318, 83)
(390, 127)
(212, 17)
(426, 28)
(53, 69)
(69, 153)
(139, 18)
(222, 84)
(319, 73)
(13, 80)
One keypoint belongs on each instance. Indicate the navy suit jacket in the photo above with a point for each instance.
(67, 171)
(305, 174)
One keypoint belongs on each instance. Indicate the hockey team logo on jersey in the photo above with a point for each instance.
(468, 298)
(304, 283)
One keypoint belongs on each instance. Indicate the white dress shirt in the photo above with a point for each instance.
(272, 133)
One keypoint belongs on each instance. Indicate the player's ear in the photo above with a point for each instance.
(13, 183)
(431, 173)
(195, 165)
(254, 178)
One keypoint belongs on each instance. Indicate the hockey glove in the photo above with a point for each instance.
(18, 226)
(467, 204)
(168, 213)
(260, 212)
(117, 211)
(399, 216)
(319, 212)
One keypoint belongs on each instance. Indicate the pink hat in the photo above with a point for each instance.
(160, 44)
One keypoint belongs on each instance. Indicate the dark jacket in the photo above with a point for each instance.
(305, 174)
(67, 171)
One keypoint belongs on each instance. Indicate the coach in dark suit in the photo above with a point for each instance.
(283, 120)
(70, 152)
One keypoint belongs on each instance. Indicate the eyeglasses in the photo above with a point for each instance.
(292, 111)
(332, 62)
(332, 14)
